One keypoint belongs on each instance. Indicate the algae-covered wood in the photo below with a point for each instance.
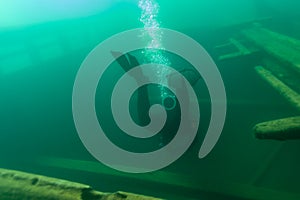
(281, 129)
(288, 93)
(281, 47)
(16, 185)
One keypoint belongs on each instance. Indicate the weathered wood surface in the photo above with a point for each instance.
(279, 46)
(241, 49)
(15, 185)
(288, 93)
(281, 129)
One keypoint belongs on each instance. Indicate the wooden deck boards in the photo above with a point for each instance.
(281, 47)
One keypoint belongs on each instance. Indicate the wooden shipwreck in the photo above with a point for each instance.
(279, 58)
(16, 185)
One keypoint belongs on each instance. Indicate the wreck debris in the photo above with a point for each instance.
(279, 66)
(289, 94)
(280, 47)
(241, 49)
(282, 129)
(15, 185)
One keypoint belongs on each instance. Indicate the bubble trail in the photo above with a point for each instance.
(152, 32)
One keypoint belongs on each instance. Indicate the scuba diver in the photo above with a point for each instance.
(169, 102)
(127, 62)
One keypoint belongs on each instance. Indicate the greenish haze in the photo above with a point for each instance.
(42, 45)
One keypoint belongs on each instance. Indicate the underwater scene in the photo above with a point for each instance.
(150, 99)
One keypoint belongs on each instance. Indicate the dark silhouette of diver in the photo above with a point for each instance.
(127, 62)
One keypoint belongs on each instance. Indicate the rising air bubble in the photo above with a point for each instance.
(154, 50)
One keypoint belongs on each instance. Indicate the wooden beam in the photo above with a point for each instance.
(16, 185)
(242, 50)
(281, 129)
(281, 47)
(289, 94)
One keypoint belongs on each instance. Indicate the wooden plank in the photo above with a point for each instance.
(285, 74)
(280, 47)
(230, 56)
(242, 50)
(289, 94)
(16, 185)
(281, 129)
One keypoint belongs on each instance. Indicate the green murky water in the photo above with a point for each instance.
(42, 46)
